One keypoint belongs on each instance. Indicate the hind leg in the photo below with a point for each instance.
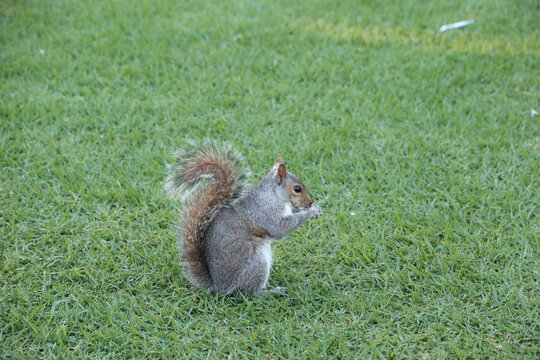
(254, 275)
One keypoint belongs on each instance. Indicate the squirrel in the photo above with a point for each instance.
(226, 228)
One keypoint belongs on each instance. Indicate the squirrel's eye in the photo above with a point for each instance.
(297, 188)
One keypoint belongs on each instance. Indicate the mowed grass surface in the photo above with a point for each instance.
(425, 137)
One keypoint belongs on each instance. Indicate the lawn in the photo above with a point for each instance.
(419, 147)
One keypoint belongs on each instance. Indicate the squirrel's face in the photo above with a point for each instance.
(292, 186)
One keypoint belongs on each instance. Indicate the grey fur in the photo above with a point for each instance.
(235, 243)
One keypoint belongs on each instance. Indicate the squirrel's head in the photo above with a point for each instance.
(291, 186)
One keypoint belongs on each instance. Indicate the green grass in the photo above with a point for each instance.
(426, 137)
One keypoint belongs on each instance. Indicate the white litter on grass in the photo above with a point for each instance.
(534, 113)
(353, 213)
(456, 25)
(42, 52)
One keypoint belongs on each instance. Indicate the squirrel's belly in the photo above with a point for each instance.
(264, 252)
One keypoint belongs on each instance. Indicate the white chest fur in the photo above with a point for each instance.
(265, 255)
(288, 209)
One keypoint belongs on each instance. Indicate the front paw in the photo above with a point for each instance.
(314, 211)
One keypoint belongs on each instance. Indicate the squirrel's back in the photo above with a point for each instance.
(207, 177)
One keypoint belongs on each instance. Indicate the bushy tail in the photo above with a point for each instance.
(225, 177)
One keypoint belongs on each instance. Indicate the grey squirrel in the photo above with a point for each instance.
(226, 228)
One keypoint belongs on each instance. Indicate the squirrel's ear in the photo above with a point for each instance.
(276, 164)
(281, 173)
